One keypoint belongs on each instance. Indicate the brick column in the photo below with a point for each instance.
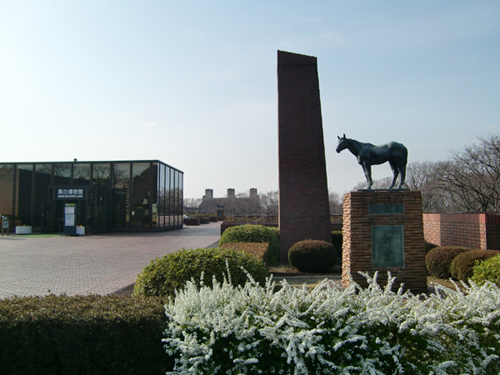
(365, 210)
(303, 207)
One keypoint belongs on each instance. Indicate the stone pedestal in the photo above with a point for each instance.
(383, 231)
(220, 215)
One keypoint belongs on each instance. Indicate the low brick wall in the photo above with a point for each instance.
(359, 219)
(474, 230)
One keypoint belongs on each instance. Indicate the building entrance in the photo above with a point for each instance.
(92, 208)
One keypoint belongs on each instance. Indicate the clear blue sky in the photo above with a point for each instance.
(193, 83)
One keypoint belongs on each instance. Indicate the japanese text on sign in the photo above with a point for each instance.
(70, 193)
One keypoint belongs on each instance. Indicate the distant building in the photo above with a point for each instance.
(233, 205)
(209, 194)
(253, 193)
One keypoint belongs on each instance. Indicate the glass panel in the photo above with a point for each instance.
(101, 208)
(140, 194)
(62, 174)
(181, 197)
(43, 180)
(176, 198)
(161, 195)
(168, 205)
(155, 171)
(7, 190)
(101, 173)
(121, 194)
(171, 197)
(81, 174)
(24, 194)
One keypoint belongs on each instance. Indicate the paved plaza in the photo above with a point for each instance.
(99, 264)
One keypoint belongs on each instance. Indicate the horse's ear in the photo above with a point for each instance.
(344, 135)
(338, 137)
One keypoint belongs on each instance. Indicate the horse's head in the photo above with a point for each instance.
(342, 145)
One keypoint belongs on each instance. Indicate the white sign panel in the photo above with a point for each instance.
(70, 193)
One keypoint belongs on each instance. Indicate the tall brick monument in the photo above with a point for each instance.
(303, 192)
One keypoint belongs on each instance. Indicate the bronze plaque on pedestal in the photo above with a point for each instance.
(387, 246)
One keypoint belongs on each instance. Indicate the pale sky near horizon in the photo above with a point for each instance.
(193, 83)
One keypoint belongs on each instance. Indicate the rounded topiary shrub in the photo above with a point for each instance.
(462, 267)
(438, 260)
(312, 256)
(253, 233)
(487, 270)
(164, 275)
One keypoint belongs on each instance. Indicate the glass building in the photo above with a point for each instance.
(111, 196)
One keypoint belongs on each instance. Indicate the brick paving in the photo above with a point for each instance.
(99, 264)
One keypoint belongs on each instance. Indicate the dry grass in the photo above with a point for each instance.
(257, 249)
(444, 282)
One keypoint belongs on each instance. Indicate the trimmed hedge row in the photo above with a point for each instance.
(438, 260)
(312, 256)
(462, 267)
(164, 275)
(457, 262)
(253, 233)
(82, 335)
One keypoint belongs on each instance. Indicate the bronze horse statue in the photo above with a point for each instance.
(367, 154)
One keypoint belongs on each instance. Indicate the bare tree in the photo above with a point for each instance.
(335, 201)
(472, 177)
(426, 177)
(269, 202)
(191, 205)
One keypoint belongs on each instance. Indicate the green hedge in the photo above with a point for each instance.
(82, 335)
(462, 267)
(312, 256)
(164, 275)
(489, 270)
(253, 233)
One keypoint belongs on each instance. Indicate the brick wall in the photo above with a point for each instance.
(303, 209)
(357, 237)
(474, 230)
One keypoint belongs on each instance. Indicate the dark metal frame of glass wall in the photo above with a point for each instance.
(141, 195)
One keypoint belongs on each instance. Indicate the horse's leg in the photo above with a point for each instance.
(395, 173)
(402, 169)
(367, 168)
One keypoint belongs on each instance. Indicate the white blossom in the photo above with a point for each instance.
(331, 330)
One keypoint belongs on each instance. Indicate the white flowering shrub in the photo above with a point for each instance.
(330, 330)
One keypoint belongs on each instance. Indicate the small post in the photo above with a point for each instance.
(5, 224)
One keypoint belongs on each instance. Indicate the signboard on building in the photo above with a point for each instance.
(70, 193)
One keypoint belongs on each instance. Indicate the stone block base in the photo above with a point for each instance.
(383, 231)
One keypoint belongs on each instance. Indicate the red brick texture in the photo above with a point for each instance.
(474, 230)
(357, 241)
(303, 210)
